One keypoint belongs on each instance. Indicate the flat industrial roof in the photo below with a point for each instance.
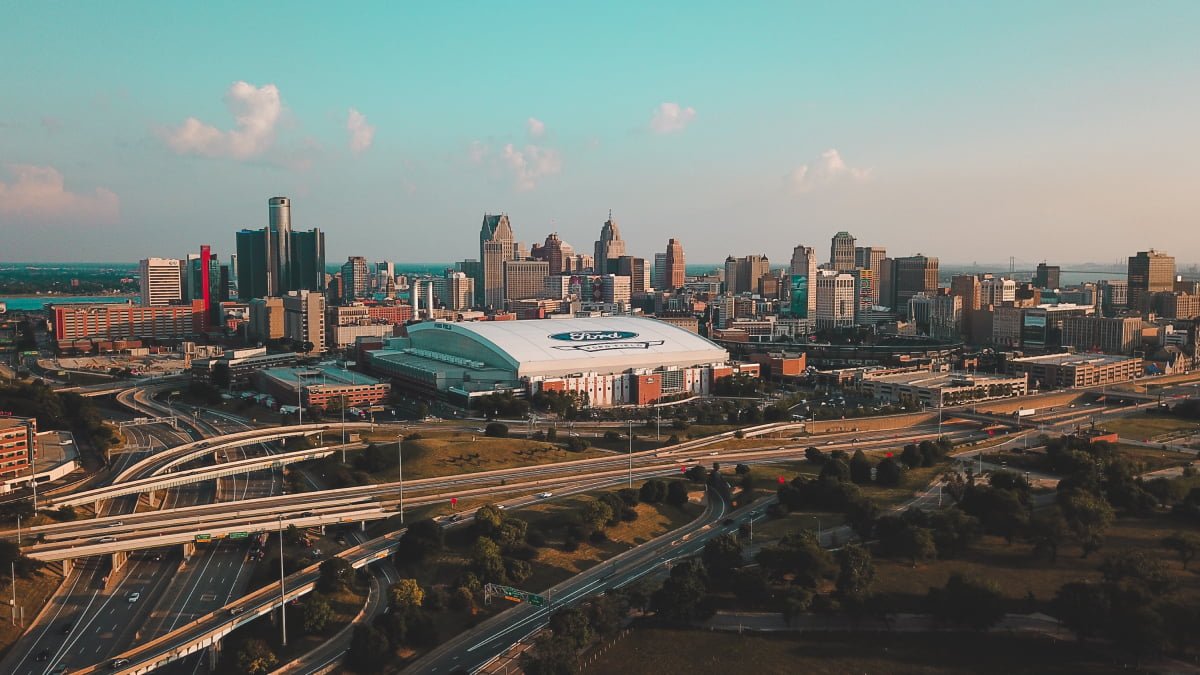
(1076, 359)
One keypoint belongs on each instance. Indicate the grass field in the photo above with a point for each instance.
(1013, 568)
(32, 595)
(667, 652)
(1143, 427)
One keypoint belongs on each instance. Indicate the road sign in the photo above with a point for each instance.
(203, 537)
(514, 594)
(238, 535)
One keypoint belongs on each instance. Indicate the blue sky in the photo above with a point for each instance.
(972, 131)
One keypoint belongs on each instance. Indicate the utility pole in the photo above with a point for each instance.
(282, 594)
(343, 428)
(299, 411)
(13, 565)
(400, 463)
(630, 453)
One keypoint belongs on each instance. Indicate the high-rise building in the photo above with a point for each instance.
(993, 291)
(18, 444)
(256, 275)
(556, 252)
(266, 319)
(742, 274)
(455, 290)
(617, 289)
(161, 281)
(1092, 333)
(304, 319)
(279, 222)
(676, 266)
(865, 288)
(307, 261)
(802, 279)
(1047, 276)
(871, 258)
(836, 301)
(1114, 295)
(946, 319)
(967, 287)
(355, 278)
(913, 275)
(609, 247)
(1150, 272)
(524, 279)
(658, 274)
(496, 245)
(841, 252)
(637, 270)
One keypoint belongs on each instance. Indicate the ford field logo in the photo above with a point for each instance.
(602, 341)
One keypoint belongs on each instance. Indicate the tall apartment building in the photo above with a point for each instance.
(266, 319)
(496, 245)
(304, 318)
(841, 252)
(609, 247)
(455, 290)
(676, 265)
(836, 300)
(161, 281)
(1093, 333)
(871, 258)
(1150, 272)
(913, 275)
(18, 445)
(109, 321)
(356, 277)
(967, 287)
(1047, 276)
(525, 279)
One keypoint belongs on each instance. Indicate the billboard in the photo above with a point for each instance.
(799, 296)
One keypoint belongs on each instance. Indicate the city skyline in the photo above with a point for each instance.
(902, 126)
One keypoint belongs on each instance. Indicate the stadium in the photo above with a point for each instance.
(611, 360)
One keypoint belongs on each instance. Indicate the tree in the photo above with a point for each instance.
(256, 658)
(369, 648)
(488, 519)
(335, 574)
(406, 594)
(911, 456)
(814, 455)
(798, 555)
(916, 544)
(889, 472)
(860, 468)
(677, 493)
(496, 430)
(653, 491)
(697, 474)
(551, 655)
(292, 535)
(487, 562)
(1082, 607)
(953, 531)
(722, 555)
(966, 601)
(856, 573)
(681, 596)
(572, 625)
(1136, 567)
(597, 513)
(835, 470)
(422, 538)
(1047, 529)
(1186, 544)
(317, 613)
(999, 511)
(796, 601)
(1088, 517)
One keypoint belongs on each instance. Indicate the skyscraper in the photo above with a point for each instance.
(496, 245)
(307, 261)
(658, 273)
(609, 247)
(841, 252)
(675, 271)
(1047, 276)
(524, 279)
(967, 287)
(161, 281)
(355, 276)
(836, 302)
(871, 258)
(913, 275)
(803, 291)
(279, 219)
(637, 270)
(1150, 272)
(256, 275)
(556, 252)
(304, 319)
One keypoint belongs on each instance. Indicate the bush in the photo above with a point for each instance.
(577, 444)
(629, 514)
(611, 436)
(535, 538)
(496, 430)
(570, 544)
(598, 537)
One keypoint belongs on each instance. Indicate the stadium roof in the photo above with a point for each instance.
(555, 347)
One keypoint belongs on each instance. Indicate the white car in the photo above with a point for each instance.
(544, 495)
(134, 596)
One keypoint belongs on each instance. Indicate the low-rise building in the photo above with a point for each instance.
(1056, 371)
(18, 444)
(322, 386)
(235, 369)
(940, 389)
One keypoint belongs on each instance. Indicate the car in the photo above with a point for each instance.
(828, 442)
(116, 524)
(714, 453)
(119, 663)
(157, 557)
(107, 540)
(453, 518)
(133, 597)
(501, 506)
(544, 495)
(306, 514)
(234, 611)
(66, 628)
(43, 655)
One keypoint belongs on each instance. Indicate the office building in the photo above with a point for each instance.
(1047, 276)
(355, 278)
(638, 272)
(609, 247)
(659, 272)
(946, 317)
(967, 287)
(307, 261)
(871, 258)
(279, 222)
(841, 252)
(256, 276)
(304, 319)
(802, 292)
(1150, 272)
(836, 299)
(18, 445)
(525, 279)
(455, 291)
(993, 291)
(1114, 295)
(1177, 305)
(913, 275)
(556, 252)
(742, 274)
(675, 266)
(496, 246)
(161, 281)
(266, 319)
(1109, 335)
(109, 321)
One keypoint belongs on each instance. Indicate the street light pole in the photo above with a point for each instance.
(343, 428)
(13, 567)
(299, 407)
(400, 463)
(282, 593)
(630, 453)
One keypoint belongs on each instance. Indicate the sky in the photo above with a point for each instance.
(973, 131)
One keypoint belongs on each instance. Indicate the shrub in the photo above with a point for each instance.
(496, 430)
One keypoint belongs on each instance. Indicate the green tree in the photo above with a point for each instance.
(856, 573)
(1186, 544)
(487, 562)
(653, 491)
(369, 649)
(1047, 530)
(488, 519)
(860, 468)
(406, 594)
(572, 625)
(596, 513)
(496, 430)
(916, 544)
(681, 596)
(966, 601)
(1083, 608)
(317, 613)
(551, 655)
(889, 472)
(335, 574)
(800, 556)
(256, 658)
(722, 555)
(677, 493)
(1088, 517)
(835, 470)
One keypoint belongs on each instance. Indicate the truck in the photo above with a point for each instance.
(1024, 412)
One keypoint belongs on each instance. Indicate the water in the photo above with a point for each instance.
(35, 302)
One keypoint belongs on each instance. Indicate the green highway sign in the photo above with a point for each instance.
(238, 535)
(536, 600)
(204, 537)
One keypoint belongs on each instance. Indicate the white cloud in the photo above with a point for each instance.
(536, 127)
(531, 163)
(830, 168)
(478, 152)
(670, 118)
(256, 112)
(39, 195)
(361, 133)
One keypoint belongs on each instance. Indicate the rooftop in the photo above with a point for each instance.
(1075, 359)
(942, 380)
(320, 374)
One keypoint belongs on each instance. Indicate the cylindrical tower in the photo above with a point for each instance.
(279, 210)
